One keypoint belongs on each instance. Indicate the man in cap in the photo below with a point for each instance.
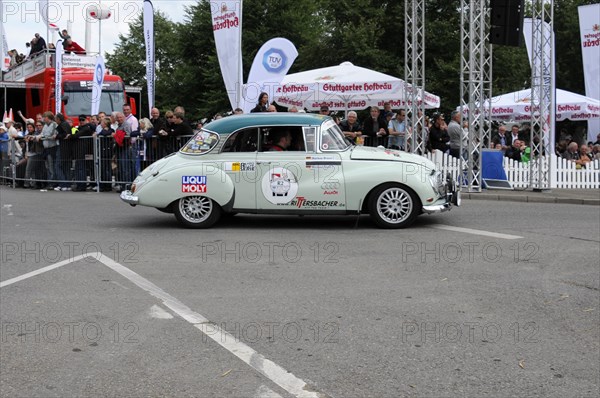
(10, 128)
(324, 110)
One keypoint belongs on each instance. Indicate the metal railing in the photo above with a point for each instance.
(97, 163)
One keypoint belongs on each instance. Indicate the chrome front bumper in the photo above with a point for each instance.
(128, 197)
(452, 198)
(437, 208)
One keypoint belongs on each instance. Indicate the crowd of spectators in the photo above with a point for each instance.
(50, 152)
(582, 155)
(53, 152)
(516, 145)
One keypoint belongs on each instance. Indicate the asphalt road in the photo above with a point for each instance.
(332, 302)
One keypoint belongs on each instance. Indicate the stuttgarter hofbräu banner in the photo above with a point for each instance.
(271, 64)
(589, 27)
(227, 25)
(150, 61)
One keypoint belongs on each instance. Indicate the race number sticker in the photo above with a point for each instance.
(279, 185)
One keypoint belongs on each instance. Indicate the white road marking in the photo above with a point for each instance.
(265, 392)
(475, 232)
(44, 269)
(266, 367)
(7, 207)
(159, 313)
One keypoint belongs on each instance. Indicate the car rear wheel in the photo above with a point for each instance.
(197, 211)
(393, 206)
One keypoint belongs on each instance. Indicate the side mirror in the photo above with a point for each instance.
(65, 99)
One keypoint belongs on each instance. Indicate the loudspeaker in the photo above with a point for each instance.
(506, 19)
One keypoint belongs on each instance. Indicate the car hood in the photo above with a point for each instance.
(382, 154)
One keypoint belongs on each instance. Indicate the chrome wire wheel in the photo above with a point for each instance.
(195, 209)
(394, 205)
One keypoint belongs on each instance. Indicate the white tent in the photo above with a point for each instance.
(345, 87)
(517, 106)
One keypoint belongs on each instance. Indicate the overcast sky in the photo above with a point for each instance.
(21, 19)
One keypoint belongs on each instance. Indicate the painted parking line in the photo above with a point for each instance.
(278, 375)
(476, 232)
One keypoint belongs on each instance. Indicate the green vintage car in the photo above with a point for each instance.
(237, 165)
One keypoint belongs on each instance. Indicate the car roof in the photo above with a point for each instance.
(235, 122)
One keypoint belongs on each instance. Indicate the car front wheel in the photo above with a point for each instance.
(197, 211)
(393, 206)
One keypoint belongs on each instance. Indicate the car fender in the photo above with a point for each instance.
(362, 176)
(187, 179)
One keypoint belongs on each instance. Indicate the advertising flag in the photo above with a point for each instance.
(271, 64)
(150, 61)
(589, 27)
(227, 26)
(99, 72)
(43, 6)
(4, 59)
(58, 77)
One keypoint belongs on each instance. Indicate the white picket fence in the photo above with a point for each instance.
(564, 173)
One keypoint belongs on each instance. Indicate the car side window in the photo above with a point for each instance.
(309, 138)
(271, 137)
(242, 141)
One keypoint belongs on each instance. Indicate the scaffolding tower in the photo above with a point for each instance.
(414, 74)
(475, 87)
(542, 94)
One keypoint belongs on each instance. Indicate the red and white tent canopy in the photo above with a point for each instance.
(345, 87)
(517, 106)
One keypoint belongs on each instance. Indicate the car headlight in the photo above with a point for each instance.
(436, 179)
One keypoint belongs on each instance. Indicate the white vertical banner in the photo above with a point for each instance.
(99, 72)
(150, 60)
(58, 77)
(589, 27)
(549, 78)
(271, 64)
(227, 25)
(4, 59)
(43, 6)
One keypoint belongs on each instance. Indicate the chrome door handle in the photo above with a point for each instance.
(263, 162)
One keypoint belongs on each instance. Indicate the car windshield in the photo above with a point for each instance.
(332, 138)
(201, 143)
(79, 102)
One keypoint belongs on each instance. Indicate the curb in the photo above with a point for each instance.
(530, 199)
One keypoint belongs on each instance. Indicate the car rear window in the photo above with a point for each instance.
(201, 143)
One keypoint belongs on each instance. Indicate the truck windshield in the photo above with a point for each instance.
(80, 102)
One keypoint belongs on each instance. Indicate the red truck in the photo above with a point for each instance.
(29, 87)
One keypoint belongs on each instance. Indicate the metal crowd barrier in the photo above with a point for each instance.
(97, 163)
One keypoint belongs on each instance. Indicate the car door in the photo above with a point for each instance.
(299, 179)
(238, 160)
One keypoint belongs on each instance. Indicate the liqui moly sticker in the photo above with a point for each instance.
(193, 184)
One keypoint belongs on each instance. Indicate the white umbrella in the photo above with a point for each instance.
(345, 87)
(517, 106)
